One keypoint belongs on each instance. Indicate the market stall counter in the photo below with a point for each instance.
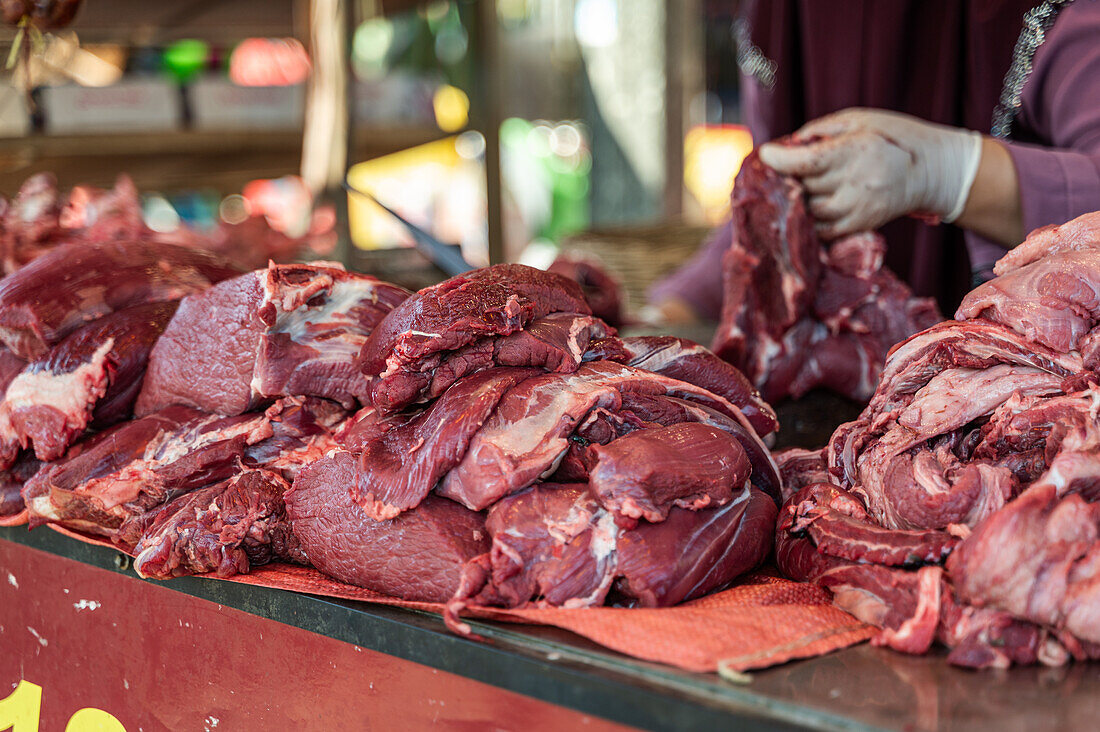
(81, 632)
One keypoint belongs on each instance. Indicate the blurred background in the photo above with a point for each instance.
(510, 129)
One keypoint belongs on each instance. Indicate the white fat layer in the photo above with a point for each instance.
(342, 297)
(661, 358)
(71, 394)
(169, 447)
(603, 545)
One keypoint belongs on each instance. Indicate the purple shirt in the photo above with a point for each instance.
(1060, 109)
(1056, 149)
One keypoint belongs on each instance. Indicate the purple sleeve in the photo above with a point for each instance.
(1061, 104)
(699, 281)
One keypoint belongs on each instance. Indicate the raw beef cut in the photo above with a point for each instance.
(529, 431)
(74, 283)
(12, 481)
(120, 474)
(1079, 234)
(602, 291)
(554, 545)
(1054, 301)
(963, 505)
(398, 469)
(796, 316)
(1039, 557)
(682, 359)
(418, 555)
(29, 224)
(289, 329)
(41, 218)
(645, 473)
(90, 378)
(10, 366)
(223, 529)
(486, 303)
(556, 343)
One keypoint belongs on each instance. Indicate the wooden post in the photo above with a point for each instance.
(327, 133)
(487, 118)
(683, 81)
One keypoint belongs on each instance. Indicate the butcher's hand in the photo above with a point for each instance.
(865, 167)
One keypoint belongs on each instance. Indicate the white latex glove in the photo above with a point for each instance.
(865, 167)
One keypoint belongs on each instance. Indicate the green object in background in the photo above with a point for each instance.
(185, 59)
(566, 176)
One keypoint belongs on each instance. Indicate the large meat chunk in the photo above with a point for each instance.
(796, 316)
(11, 484)
(109, 482)
(73, 283)
(682, 359)
(1082, 233)
(490, 302)
(1039, 557)
(399, 468)
(529, 432)
(554, 545)
(556, 343)
(224, 529)
(602, 291)
(1054, 301)
(692, 553)
(30, 222)
(418, 555)
(285, 330)
(647, 472)
(90, 378)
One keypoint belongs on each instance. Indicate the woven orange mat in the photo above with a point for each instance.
(763, 621)
(14, 520)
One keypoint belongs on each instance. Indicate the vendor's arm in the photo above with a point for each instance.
(693, 292)
(1061, 105)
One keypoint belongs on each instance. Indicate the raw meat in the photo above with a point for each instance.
(556, 343)
(963, 506)
(10, 366)
(399, 468)
(1054, 301)
(529, 432)
(73, 283)
(289, 329)
(12, 481)
(41, 218)
(90, 378)
(1081, 233)
(121, 474)
(796, 316)
(682, 359)
(486, 303)
(223, 529)
(644, 474)
(554, 545)
(1039, 558)
(418, 555)
(30, 222)
(602, 291)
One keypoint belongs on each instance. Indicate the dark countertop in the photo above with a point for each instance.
(856, 689)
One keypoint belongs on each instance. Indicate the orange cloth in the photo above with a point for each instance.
(763, 621)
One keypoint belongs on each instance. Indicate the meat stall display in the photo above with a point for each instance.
(961, 508)
(485, 442)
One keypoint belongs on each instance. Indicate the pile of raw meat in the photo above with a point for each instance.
(797, 316)
(40, 218)
(963, 506)
(486, 441)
